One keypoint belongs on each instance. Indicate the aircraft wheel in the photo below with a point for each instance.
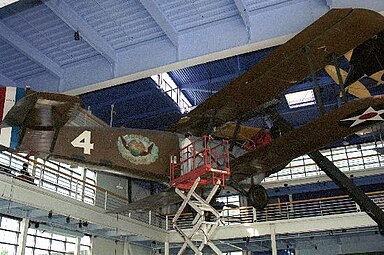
(257, 197)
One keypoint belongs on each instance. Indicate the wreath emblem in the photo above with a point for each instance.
(137, 149)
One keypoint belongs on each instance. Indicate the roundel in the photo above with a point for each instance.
(365, 117)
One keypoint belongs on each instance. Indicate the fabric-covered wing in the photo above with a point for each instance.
(346, 120)
(335, 33)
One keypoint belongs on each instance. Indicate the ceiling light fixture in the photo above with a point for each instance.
(76, 36)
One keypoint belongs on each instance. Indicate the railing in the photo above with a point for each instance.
(288, 210)
(346, 158)
(51, 176)
(47, 175)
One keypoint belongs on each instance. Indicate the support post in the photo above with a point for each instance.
(23, 236)
(127, 248)
(338, 177)
(166, 248)
(77, 246)
(273, 240)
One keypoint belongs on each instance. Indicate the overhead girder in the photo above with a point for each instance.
(87, 32)
(224, 78)
(242, 8)
(162, 21)
(29, 50)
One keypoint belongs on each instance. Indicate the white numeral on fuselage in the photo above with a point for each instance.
(83, 141)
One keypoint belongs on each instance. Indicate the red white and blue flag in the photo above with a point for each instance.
(9, 136)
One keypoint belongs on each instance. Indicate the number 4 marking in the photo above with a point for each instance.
(83, 141)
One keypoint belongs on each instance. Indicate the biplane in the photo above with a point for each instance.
(41, 118)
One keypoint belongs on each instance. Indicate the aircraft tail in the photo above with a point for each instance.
(9, 136)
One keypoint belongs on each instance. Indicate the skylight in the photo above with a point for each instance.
(300, 99)
(165, 82)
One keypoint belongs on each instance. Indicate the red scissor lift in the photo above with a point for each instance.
(202, 163)
(204, 158)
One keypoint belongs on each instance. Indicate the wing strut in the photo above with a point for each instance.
(348, 186)
(312, 69)
(340, 79)
(234, 136)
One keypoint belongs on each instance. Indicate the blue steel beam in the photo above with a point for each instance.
(138, 117)
(224, 78)
(242, 8)
(5, 81)
(29, 50)
(157, 14)
(200, 90)
(88, 33)
(123, 98)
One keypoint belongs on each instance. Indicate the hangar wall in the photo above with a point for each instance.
(119, 185)
(343, 245)
(101, 246)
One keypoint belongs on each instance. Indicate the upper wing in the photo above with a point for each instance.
(345, 120)
(334, 33)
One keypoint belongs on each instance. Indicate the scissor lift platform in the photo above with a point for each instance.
(205, 158)
(209, 166)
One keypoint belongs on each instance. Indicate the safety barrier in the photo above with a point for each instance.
(289, 210)
(346, 158)
(63, 180)
(55, 177)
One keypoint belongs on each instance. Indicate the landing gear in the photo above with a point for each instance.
(257, 197)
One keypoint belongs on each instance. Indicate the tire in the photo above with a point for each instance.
(257, 197)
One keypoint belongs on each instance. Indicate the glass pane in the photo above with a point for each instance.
(41, 252)
(28, 251)
(7, 236)
(85, 250)
(30, 240)
(58, 246)
(70, 247)
(7, 249)
(42, 242)
(10, 224)
(86, 240)
(58, 237)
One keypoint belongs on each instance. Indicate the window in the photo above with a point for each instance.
(42, 242)
(229, 203)
(165, 82)
(9, 235)
(300, 99)
(58, 177)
